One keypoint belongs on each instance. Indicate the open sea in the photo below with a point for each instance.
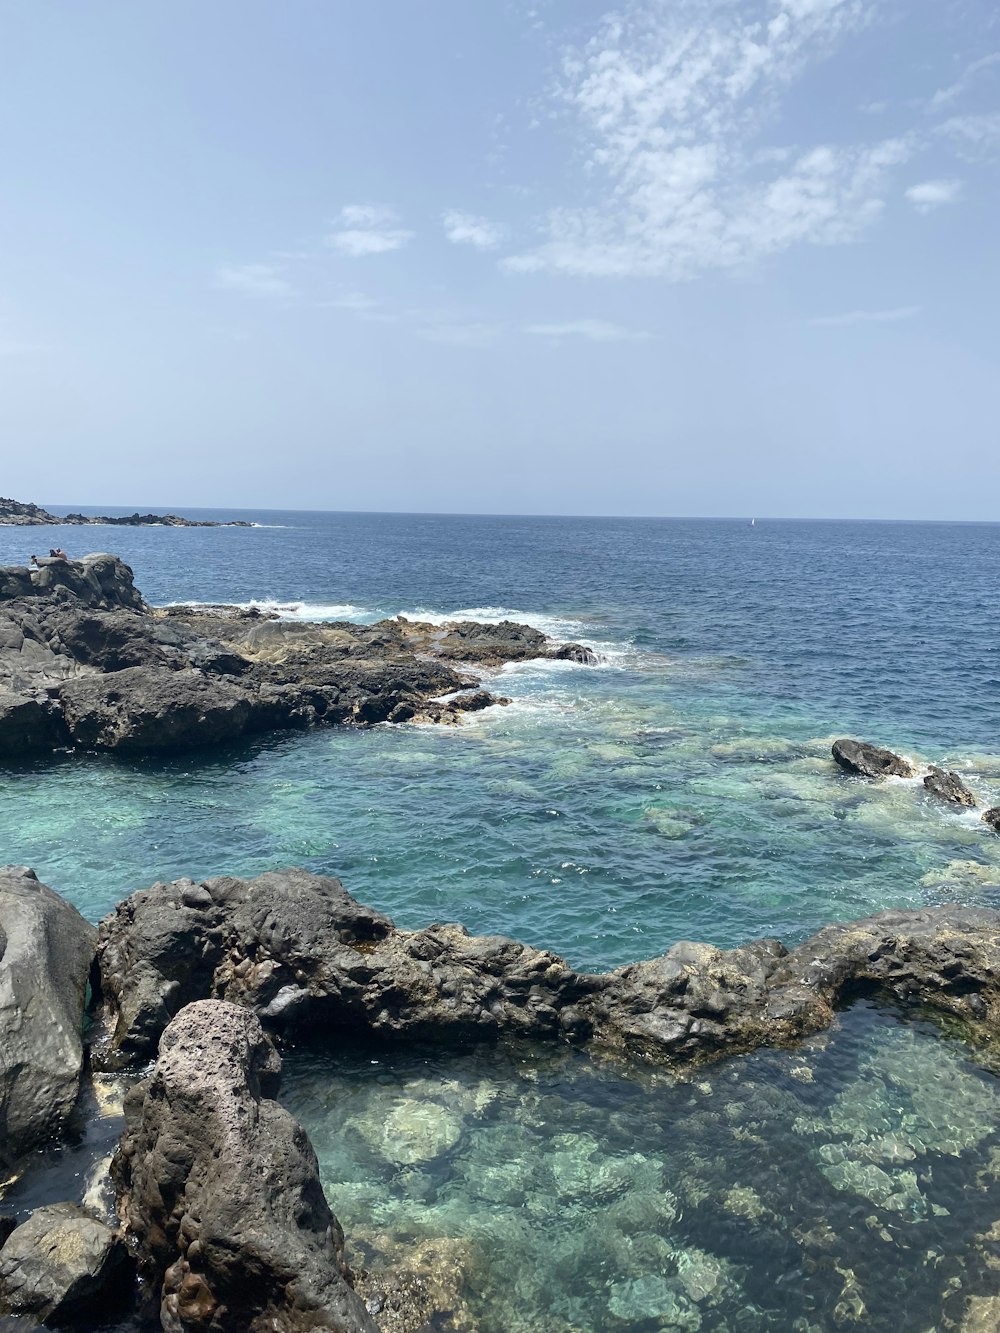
(681, 789)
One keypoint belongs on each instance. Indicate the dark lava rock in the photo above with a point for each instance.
(297, 949)
(64, 1267)
(950, 787)
(868, 761)
(218, 1188)
(992, 818)
(26, 724)
(46, 949)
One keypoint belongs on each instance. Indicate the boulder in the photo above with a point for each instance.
(26, 724)
(949, 787)
(143, 709)
(46, 948)
(99, 580)
(992, 818)
(218, 1188)
(64, 1267)
(868, 761)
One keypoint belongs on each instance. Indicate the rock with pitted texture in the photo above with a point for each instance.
(218, 1189)
(65, 1268)
(992, 818)
(46, 948)
(297, 949)
(949, 787)
(869, 761)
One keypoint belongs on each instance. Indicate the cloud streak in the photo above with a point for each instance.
(263, 281)
(592, 330)
(367, 229)
(865, 317)
(470, 229)
(929, 195)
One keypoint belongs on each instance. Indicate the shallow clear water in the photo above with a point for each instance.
(684, 788)
(847, 1183)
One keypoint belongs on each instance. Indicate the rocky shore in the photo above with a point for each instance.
(84, 662)
(221, 1219)
(16, 513)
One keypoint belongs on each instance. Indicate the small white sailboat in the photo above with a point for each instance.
(753, 522)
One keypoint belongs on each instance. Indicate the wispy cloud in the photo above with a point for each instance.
(945, 95)
(470, 229)
(458, 334)
(670, 100)
(973, 136)
(261, 280)
(865, 317)
(367, 229)
(594, 330)
(932, 194)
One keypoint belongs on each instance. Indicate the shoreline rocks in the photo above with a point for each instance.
(949, 787)
(63, 1266)
(17, 513)
(869, 761)
(296, 948)
(85, 663)
(219, 1191)
(46, 949)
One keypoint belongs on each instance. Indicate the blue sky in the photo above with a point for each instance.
(678, 257)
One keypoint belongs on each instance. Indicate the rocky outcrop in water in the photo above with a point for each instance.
(64, 1268)
(992, 818)
(949, 787)
(16, 513)
(219, 1189)
(869, 761)
(46, 949)
(297, 949)
(84, 662)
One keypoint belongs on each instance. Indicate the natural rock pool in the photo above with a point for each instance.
(851, 1182)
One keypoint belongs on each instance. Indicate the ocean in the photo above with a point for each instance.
(682, 788)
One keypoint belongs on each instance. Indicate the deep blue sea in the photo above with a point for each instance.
(682, 788)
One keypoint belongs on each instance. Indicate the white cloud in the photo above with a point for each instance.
(671, 99)
(595, 330)
(261, 280)
(470, 229)
(865, 317)
(945, 95)
(932, 194)
(459, 334)
(367, 229)
(973, 136)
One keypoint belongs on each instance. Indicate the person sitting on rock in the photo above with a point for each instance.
(60, 554)
(33, 562)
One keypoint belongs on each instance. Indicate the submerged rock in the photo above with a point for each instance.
(949, 786)
(869, 761)
(219, 1189)
(64, 1267)
(46, 948)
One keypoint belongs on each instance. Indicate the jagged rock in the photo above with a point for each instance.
(64, 1267)
(992, 818)
(46, 948)
(868, 761)
(297, 949)
(949, 786)
(219, 1190)
(26, 724)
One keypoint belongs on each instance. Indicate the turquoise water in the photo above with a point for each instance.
(683, 788)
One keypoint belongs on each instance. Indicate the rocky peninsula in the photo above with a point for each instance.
(84, 662)
(220, 1213)
(20, 514)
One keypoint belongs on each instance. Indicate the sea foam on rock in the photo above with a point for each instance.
(46, 949)
(219, 1189)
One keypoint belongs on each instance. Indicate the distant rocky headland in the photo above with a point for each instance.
(84, 662)
(15, 513)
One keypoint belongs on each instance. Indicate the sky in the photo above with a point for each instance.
(673, 257)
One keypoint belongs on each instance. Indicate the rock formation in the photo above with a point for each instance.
(950, 787)
(16, 513)
(992, 818)
(296, 948)
(64, 1267)
(46, 949)
(84, 662)
(869, 761)
(219, 1189)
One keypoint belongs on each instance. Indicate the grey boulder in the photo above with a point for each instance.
(869, 761)
(63, 1267)
(46, 949)
(949, 787)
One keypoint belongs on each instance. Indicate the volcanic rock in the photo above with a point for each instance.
(992, 818)
(950, 787)
(46, 949)
(64, 1266)
(218, 1188)
(868, 761)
